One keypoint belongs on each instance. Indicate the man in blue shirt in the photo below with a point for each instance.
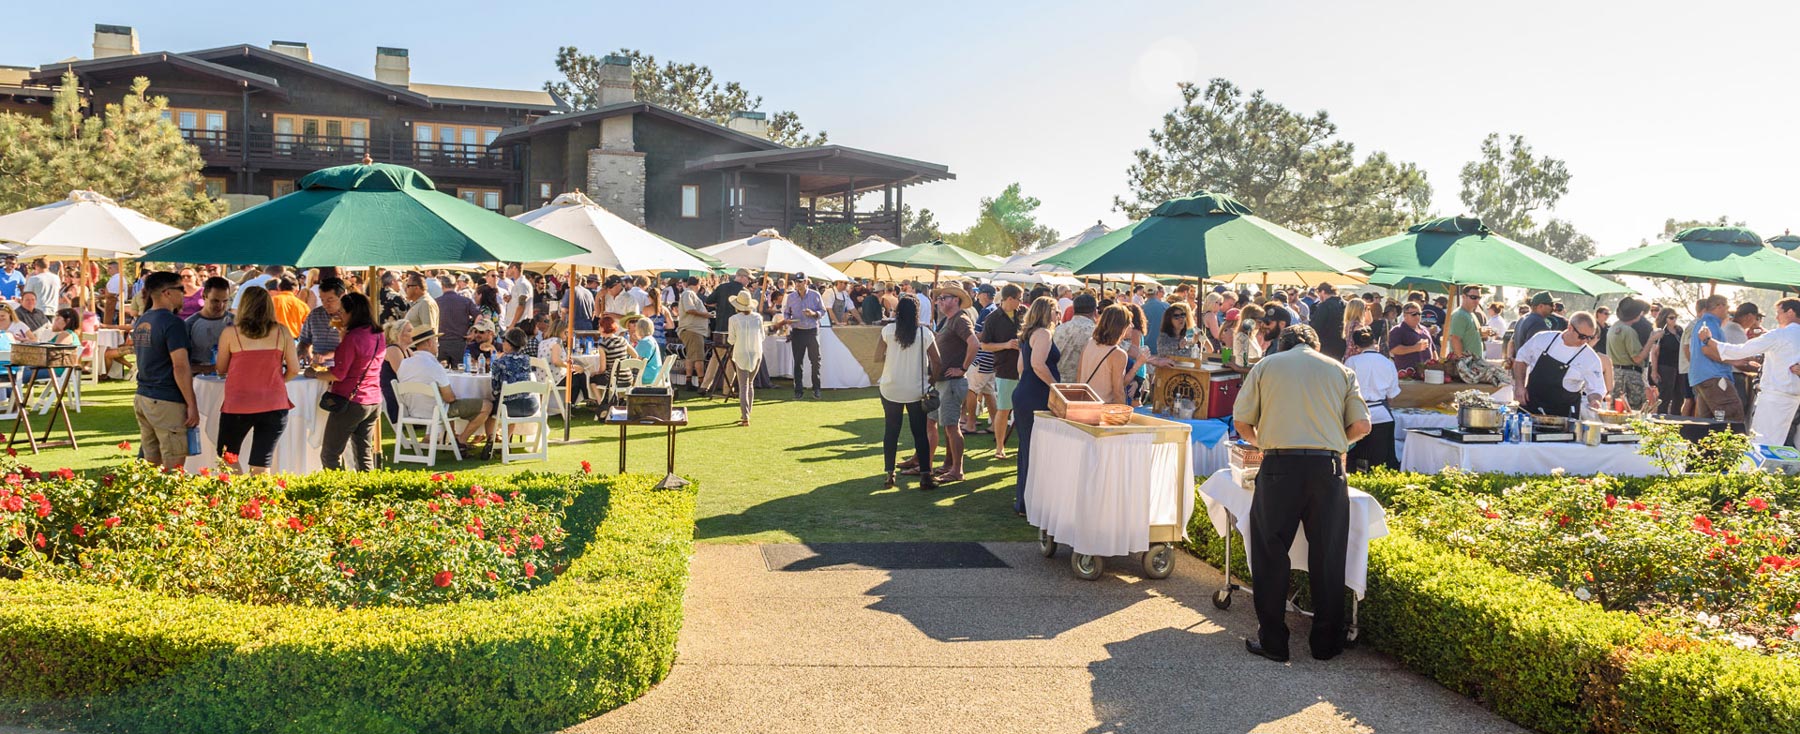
(10, 278)
(164, 404)
(802, 311)
(1711, 379)
(1154, 306)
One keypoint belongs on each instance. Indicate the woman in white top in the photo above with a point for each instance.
(746, 333)
(1103, 361)
(1379, 381)
(903, 352)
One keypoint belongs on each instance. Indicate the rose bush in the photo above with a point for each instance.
(245, 538)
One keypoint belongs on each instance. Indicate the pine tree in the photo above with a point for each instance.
(130, 154)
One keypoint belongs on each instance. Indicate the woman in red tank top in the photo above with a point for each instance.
(257, 358)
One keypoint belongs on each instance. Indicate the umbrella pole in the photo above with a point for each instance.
(1712, 287)
(569, 354)
(86, 284)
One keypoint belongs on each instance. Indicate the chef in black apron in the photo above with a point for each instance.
(1544, 376)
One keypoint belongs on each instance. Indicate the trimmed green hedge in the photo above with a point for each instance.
(594, 639)
(1537, 655)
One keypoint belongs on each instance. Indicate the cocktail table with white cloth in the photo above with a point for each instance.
(298, 450)
(1228, 507)
(1211, 450)
(467, 385)
(1110, 491)
(838, 368)
(1406, 419)
(1428, 454)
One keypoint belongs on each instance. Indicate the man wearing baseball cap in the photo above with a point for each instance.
(1536, 321)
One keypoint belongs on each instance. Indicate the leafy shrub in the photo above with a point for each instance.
(243, 538)
(601, 633)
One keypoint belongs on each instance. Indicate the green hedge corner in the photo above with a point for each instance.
(593, 639)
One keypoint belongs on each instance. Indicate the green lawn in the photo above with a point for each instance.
(806, 470)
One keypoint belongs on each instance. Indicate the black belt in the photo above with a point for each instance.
(1631, 367)
(1300, 452)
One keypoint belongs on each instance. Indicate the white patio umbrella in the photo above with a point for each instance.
(87, 224)
(612, 243)
(1051, 279)
(769, 252)
(1027, 262)
(849, 260)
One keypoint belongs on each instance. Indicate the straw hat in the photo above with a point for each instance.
(962, 296)
(742, 302)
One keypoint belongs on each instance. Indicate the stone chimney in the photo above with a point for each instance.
(296, 49)
(615, 80)
(392, 66)
(114, 40)
(749, 123)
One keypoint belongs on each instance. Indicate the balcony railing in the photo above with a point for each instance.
(228, 148)
(747, 219)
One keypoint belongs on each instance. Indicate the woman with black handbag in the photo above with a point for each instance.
(904, 351)
(354, 398)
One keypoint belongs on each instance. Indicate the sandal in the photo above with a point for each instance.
(911, 471)
(889, 482)
(928, 484)
(957, 477)
(912, 463)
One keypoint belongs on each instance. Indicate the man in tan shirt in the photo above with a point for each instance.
(1304, 410)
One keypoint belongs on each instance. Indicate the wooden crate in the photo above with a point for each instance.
(1075, 401)
(1164, 431)
(45, 355)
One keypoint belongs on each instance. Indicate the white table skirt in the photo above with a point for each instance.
(837, 365)
(1368, 521)
(1100, 495)
(472, 386)
(1211, 459)
(1409, 418)
(297, 452)
(1429, 455)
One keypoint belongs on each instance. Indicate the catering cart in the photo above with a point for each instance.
(1228, 502)
(1108, 491)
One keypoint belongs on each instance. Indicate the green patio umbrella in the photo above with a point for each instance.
(1729, 255)
(1211, 236)
(937, 255)
(1457, 251)
(359, 216)
(1787, 241)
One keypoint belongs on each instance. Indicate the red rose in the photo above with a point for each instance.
(112, 522)
(79, 531)
(443, 578)
(66, 473)
(493, 576)
(1490, 514)
(356, 542)
(465, 502)
(530, 570)
(294, 524)
(587, 468)
(229, 457)
(1703, 524)
(282, 483)
(1757, 503)
(537, 541)
(205, 471)
(432, 506)
(212, 501)
(1562, 521)
(13, 503)
(40, 540)
(124, 445)
(389, 514)
(1611, 502)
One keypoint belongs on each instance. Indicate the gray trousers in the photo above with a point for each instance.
(355, 425)
(746, 380)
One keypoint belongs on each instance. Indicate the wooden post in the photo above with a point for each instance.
(569, 356)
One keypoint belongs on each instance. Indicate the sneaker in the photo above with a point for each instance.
(818, 395)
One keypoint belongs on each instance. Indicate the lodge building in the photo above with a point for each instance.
(263, 117)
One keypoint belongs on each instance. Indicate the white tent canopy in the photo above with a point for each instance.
(769, 252)
(849, 260)
(611, 242)
(87, 223)
(1027, 262)
(1052, 279)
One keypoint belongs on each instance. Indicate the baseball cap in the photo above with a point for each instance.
(1542, 298)
(1748, 309)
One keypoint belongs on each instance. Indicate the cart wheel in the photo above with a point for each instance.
(1222, 598)
(1159, 562)
(1087, 568)
(1046, 543)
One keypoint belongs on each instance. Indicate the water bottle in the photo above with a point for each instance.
(193, 438)
(1525, 430)
(465, 362)
(1506, 425)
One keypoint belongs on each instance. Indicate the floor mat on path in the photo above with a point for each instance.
(878, 556)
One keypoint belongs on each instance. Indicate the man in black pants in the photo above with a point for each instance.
(1303, 409)
(801, 312)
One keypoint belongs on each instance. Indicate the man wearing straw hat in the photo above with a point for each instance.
(956, 349)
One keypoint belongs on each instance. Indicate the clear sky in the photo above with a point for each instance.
(1661, 109)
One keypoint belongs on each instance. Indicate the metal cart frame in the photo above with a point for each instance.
(1222, 597)
(1159, 561)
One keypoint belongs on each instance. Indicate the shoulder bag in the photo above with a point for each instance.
(929, 398)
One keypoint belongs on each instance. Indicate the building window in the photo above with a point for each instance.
(545, 192)
(204, 128)
(324, 134)
(488, 199)
(690, 202)
(212, 186)
(466, 142)
(282, 187)
(737, 196)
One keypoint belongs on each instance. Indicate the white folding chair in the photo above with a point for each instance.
(541, 368)
(46, 398)
(536, 427)
(409, 444)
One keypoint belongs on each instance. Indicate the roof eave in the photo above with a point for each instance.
(244, 50)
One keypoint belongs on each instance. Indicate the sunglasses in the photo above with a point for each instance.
(1584, 337)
